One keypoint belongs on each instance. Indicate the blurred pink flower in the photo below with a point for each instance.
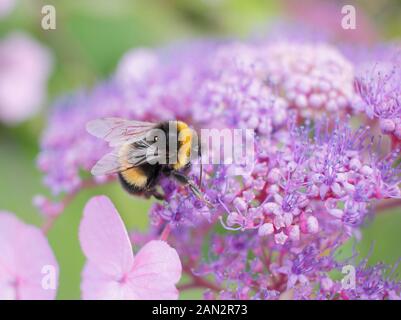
(135, 65)
(25, 66)
(324, 17)
(6, 6)
(111, 271)
(25, 258)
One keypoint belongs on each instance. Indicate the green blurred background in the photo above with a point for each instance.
(90, 38)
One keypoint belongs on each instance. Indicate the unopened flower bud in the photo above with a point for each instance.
(265, 229)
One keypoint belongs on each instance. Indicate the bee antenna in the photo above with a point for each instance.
(200, 165)
(200, 174)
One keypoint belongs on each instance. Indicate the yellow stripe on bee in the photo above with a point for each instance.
(181, 126)
(134, 176)
(185, 143)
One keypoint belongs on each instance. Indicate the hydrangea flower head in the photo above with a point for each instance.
(273, 228)
(312, 77)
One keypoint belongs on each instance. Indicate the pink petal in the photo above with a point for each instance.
(96, 285)
(104, 239)
(24, 253)
(157, 268)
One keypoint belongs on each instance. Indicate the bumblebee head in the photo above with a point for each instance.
(185, 144)
(179, 144)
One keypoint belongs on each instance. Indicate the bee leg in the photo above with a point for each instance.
(153, 192)
(158, 195)
(181, 178)
(167, 171)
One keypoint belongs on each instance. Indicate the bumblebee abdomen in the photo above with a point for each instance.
(135, 176)
(138, 179)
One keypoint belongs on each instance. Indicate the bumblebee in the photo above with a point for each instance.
(144, 151)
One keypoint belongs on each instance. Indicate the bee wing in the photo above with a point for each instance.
(109, 163)
(142, 152)
(117, 161)
(118, 131)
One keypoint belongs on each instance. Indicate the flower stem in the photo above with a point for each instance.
(389, 204)
(197, 282)
(165, 232)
